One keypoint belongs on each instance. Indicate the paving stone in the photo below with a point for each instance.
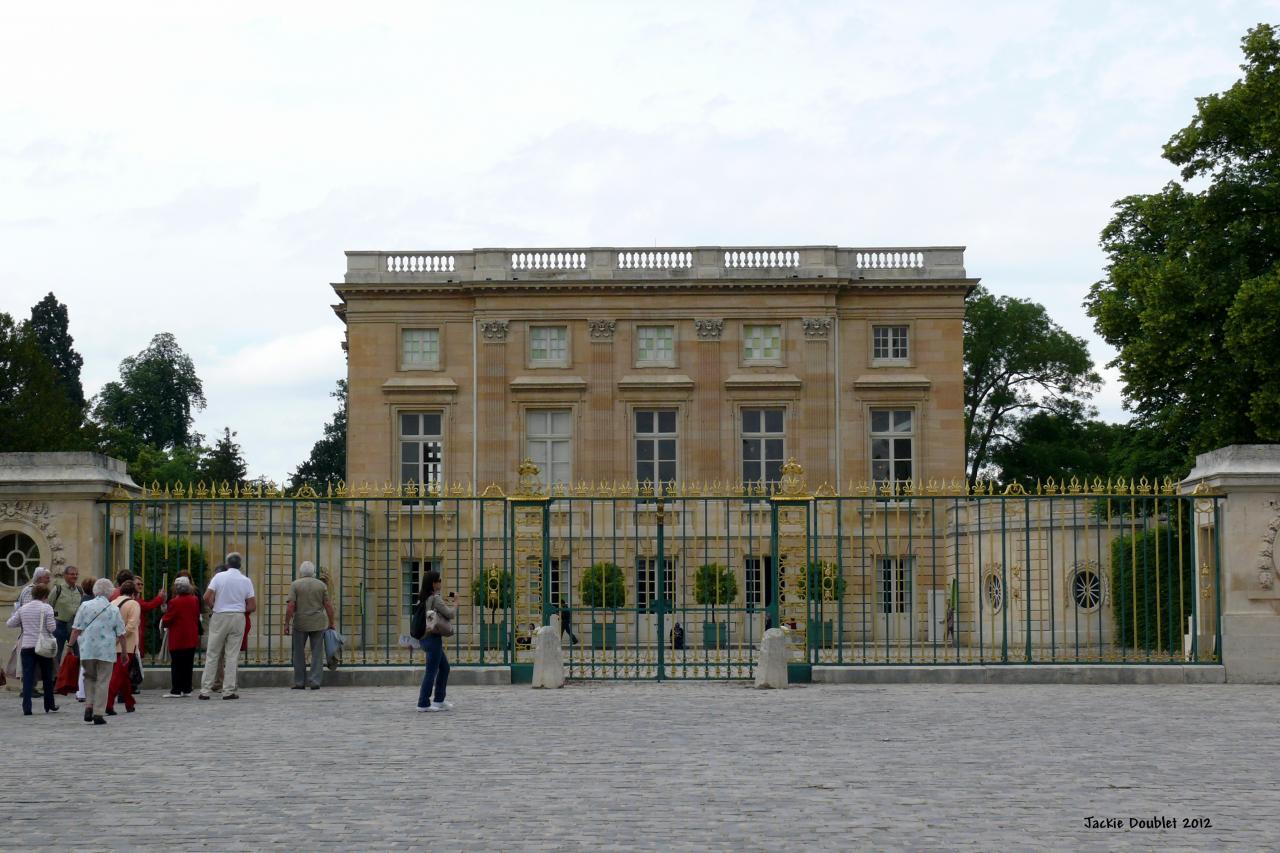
(653, 767)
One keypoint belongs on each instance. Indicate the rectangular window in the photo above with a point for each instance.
(656, 346)
(759, 582)
(655, 446)
(549, 346)
(421, 448)
(411, 572)
(895, 584)
(892, 440)
(647, 581)
(762, 343)
(548, 433)
(763, 446)
(419, 349)
(889, 343)
(559, 592)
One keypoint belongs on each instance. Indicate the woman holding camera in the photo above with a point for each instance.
(437, 675)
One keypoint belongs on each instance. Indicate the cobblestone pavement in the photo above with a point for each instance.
(618, 766)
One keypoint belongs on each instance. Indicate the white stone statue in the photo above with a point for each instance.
(771, 668)
(548, 657)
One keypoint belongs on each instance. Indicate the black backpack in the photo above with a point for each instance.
(418, 623)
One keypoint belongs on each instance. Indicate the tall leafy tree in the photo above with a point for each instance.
(1017, 362)
(1191, 300)
(51, 327)
(35, 412)
(328, 460)
(225, 462)
(153, 401)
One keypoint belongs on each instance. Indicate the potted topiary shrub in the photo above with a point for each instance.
(494, 590)
(824, 584)
(603, 586)
(715, 586)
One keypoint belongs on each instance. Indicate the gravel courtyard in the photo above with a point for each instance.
(649, 766)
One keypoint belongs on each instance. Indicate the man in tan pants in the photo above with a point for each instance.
(230, 597)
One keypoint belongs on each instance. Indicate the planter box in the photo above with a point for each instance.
(604, 636)
(494, 635)
(715, 635)
(822, 635)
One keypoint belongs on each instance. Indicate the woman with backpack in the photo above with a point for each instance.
(437, 627)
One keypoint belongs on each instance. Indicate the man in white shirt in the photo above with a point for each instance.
(230, 596)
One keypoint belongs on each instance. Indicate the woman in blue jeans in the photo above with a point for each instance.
(437, 675)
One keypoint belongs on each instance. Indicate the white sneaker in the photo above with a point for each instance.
(442, 706)
(428, 708)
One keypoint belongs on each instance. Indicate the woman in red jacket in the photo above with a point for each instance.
(182, 619)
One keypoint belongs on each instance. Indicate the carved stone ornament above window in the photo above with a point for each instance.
(494, 331)
(602, 330)
(709, 330)
(817, 328)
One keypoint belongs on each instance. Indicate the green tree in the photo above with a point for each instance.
(1060, 445)
(183, 465)
(1191, 299)
(328, 460)
(35, 412)
(153, 401)
(1017, 362)
(224, 462)
(50, 324)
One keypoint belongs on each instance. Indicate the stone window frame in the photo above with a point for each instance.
(29, 567)
(525, 410)
(404, 366)
(745, 361)
(740, 435)
(675, 345)
(535, 364)
(398, 437)
(916, 435)
(633, 436)
(873, 360)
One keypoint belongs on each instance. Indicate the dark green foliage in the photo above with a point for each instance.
(603, 585)
(161, 555)
(224, 462)
(51, 326)
(328, 460)
(498, 594)
(1161, 593)
(714, 585)
(1017, 362)
(1191, 300)
(35, 412)
(152, 403)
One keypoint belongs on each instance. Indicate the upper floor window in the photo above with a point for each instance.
(892, 440)
(762, 343)
(549, 346)
(655, 446)
(548, 437)
(419, 349)
(656, 346)
(421, 448)
(763, 445)
(889, 343)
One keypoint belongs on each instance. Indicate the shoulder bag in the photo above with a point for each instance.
(46, 643)
(438, 624)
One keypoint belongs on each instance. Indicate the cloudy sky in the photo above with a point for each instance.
(202, 173)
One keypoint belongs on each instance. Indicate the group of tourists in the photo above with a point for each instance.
(87, 636)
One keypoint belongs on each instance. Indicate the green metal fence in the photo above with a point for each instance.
(683, 583)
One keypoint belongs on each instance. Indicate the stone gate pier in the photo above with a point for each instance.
(1249, 476)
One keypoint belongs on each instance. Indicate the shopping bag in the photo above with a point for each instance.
(68, 674)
